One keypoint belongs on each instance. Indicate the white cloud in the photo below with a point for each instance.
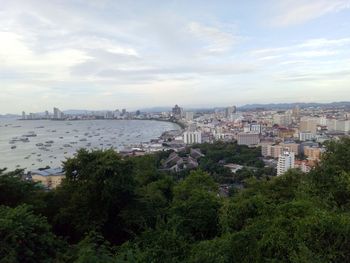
(294, 12)
(218, 40)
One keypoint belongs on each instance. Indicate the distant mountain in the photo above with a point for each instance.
(275, 106)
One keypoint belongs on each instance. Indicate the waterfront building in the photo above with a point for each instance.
(50, 178)
(177, 112)
(191, 137)
(57, 114)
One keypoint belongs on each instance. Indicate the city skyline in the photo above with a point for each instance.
(141, 54)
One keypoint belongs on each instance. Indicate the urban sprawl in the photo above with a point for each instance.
(292, 138)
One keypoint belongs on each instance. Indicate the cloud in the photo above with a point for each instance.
(295, 12)
(218, 40)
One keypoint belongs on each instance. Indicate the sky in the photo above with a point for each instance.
(111, 54)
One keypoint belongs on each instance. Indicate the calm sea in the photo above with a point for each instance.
(57, 140)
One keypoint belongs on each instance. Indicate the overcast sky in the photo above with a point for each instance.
(109, 54)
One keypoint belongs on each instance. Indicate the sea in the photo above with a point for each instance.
(33, 144)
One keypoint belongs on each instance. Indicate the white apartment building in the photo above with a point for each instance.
(306, 136)
(285, 162)
(191, 137)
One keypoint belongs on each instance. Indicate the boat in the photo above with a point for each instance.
(30, 134)
(49, 142)
(13, 147)
(39, 144)
(83, 140)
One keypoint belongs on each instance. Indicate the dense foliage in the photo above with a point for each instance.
(114, 209)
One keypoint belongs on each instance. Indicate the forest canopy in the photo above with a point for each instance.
(115, 209)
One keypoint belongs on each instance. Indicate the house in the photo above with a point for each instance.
(176, 163)
(233, 167)
(50, 178)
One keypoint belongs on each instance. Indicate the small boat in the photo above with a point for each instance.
(13, 147)
(30, 134)
(39, 144)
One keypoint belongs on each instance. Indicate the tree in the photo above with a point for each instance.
(25, 237)
(99, 185)
(194, 211)
(15, 191)
(92, 249)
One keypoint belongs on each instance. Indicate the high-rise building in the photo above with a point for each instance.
(177, 111)
(229, 111)
(23, 115)
(116, 113)
(192, 137)
(285, 162)
(109, 115)
(189, 116)
(296, 112)
(57, 114)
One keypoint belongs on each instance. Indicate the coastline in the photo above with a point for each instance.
(151, 143)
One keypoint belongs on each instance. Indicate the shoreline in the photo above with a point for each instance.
(126, 145)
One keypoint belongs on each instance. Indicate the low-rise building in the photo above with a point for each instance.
(50, 178)
(248, 139)
(312, 153)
